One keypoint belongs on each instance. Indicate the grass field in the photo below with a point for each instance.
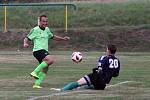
(16, 84)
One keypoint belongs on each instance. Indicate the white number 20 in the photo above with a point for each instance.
(113, 63)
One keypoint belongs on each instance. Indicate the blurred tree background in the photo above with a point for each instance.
(94, 24)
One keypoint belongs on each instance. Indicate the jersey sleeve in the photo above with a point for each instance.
(101, 61)
(100, 64)
(31, 35)
(50, 34)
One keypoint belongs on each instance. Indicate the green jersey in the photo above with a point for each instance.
(40, 38)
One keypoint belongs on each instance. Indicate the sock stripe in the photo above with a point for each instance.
(87, 80)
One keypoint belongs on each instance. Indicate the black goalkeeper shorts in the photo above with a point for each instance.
(96, 80)
(40, 55)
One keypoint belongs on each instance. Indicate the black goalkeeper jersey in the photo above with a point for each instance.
(110, 66)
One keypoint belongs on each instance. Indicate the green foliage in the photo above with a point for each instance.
(87, 15)
(91, 26)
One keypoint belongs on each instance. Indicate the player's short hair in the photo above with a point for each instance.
(112, 48)
(42, 16)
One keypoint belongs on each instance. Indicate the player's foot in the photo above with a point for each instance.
(33, 74)
(37, 87)
(55, 89)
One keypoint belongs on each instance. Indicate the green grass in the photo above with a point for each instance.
(16, 84)
(114, 14)
(130, 13)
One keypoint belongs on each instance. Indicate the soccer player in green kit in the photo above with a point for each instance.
(40, 36)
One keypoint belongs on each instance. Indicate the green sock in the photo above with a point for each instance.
(41, 78)
(40, 67)
(71, 86)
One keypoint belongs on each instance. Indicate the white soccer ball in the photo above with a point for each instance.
(76, 57)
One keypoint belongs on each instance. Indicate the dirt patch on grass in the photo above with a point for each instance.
(20, 58)
(126, 39)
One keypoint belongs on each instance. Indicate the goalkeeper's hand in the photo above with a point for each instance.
(97, 70)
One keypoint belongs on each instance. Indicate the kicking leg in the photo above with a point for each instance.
(38, 69)
(48, 60)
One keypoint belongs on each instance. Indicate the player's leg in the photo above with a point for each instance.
(42, 76)
(88, 81)
(36, 72)
(46, 61)
(38, 82)
(73, 85)
(97, 81)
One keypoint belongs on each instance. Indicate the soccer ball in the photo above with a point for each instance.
(76, 57)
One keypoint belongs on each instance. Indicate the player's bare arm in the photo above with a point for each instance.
(58, 38)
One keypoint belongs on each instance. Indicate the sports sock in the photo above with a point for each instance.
(40, 67)
(71, 86)
(88, 87)
(41, 78)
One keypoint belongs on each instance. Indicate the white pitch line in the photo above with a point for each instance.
(70, 92)
(55, 94)
(119, 84)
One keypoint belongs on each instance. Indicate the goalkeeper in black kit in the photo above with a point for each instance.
(108, 67)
